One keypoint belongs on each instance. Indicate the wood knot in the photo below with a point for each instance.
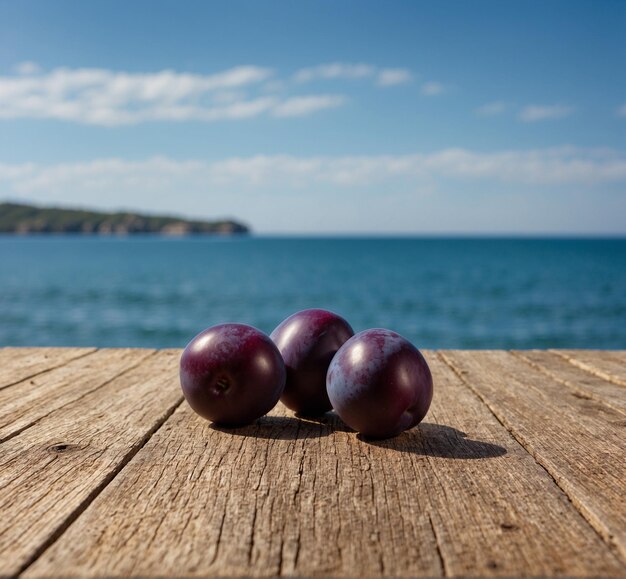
(61, 448)
(508, 526)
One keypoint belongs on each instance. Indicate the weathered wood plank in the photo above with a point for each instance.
(302, 498)
(580, 382)
(17, 364)
(579, 441)
(258, 502)
(604, 363)
(50, 472)
(28, 401)
(505, 515)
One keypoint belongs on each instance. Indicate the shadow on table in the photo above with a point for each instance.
(438, 440)
(280, 428)
(427, 439)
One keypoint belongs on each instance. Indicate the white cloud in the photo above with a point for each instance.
(394, 76)
(534, 113)
(109, 98)
(334, 70)
(305, 105)
(432, 88)
(492, 109)
(621, 111)
(27, 67)
(559, 166)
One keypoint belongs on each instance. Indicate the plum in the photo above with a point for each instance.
(232, 374)
(308, 340)
(379, 383)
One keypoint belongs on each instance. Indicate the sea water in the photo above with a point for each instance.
(440, 293)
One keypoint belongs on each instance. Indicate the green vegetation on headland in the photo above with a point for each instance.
(25, 219)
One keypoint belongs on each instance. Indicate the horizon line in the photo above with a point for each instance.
(333, 235)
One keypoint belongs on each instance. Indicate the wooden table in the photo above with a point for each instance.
(518, 469)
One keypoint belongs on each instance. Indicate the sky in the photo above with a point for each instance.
(387, 117)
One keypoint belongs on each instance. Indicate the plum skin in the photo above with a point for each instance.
(232, 374)
(379, 383)
(307, 341)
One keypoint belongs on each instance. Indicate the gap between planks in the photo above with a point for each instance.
(580, 381)
(610, 365)
(574, 478)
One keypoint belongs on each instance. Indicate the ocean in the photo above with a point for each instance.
(148, 291)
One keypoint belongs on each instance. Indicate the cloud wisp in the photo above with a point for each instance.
(334, 70)
(383, 77)
(492, 109)
(432, 88)
(552, 167)
(393, 76)
(526, 114)
(534, 113)
(305, 105)
(27, 67)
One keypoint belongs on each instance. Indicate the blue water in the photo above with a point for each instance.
(440, 293)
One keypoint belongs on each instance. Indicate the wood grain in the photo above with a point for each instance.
(606, 364)
(17, 364)
(579, 441)
(583, 383)
(457, 496)
(50, 472)
(28, 401)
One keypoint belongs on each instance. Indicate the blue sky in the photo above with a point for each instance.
(382, 117)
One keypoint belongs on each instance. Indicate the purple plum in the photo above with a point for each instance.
(379, 384)
(308, 340)
(232, 374)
